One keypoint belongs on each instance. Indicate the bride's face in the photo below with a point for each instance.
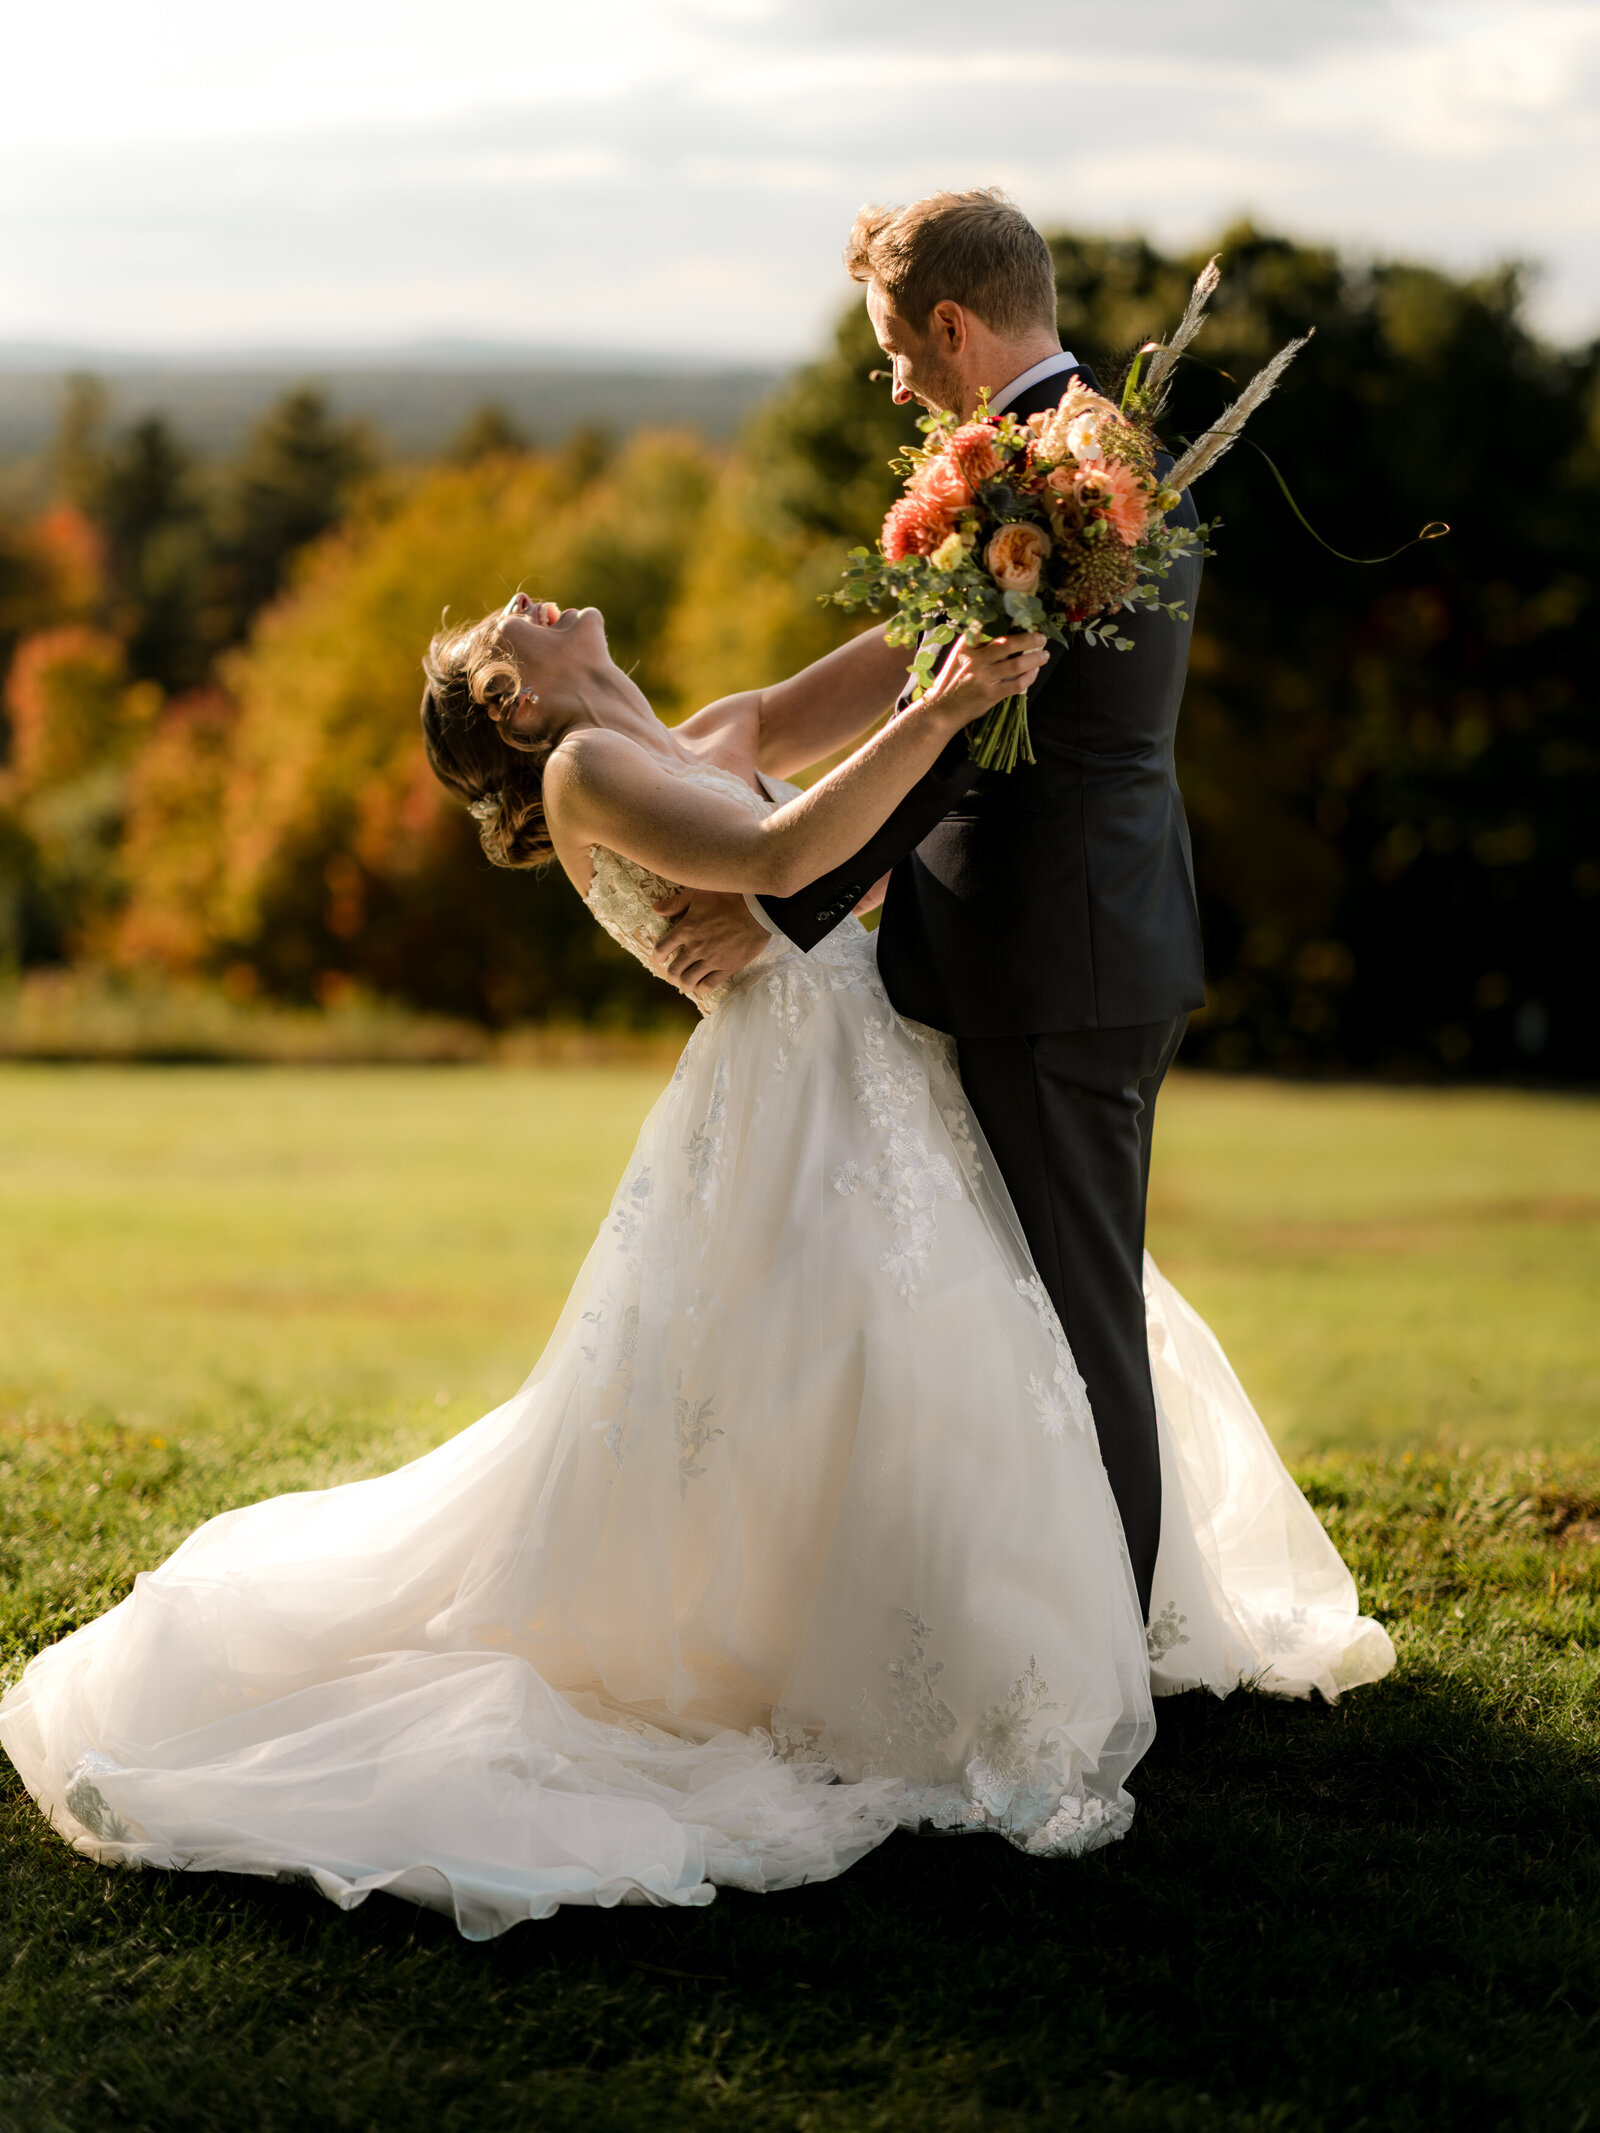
(556, 649)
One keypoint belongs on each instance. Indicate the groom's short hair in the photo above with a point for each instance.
(973, 249)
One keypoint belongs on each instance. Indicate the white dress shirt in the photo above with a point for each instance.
(1064, 359)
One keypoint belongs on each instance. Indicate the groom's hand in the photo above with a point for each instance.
(710, 940)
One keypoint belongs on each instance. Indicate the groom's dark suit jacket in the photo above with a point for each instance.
(1059, 896)
(1047, 919)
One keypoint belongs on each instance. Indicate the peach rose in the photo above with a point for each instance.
(943, 485)
(1015, 556)
(972, 449)
(1061, 502)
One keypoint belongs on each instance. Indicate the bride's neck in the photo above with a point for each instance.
(608, 698)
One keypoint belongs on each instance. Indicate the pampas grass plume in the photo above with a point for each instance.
(1157, 379)
(1208, 449)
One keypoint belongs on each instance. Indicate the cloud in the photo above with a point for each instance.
(1181, 30)
(655, 176)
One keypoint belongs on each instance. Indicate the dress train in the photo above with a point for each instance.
(797, 1532)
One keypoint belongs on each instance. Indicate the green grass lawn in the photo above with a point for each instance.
(222, 1283)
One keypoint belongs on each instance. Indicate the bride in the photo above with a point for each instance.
(799, 1530)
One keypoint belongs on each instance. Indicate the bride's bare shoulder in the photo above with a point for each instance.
(596, 763)
(595, 783)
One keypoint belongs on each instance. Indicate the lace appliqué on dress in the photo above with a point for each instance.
(1277, 1635)
(704, 1145)
(1082, 1823)
(623, 895)
(959, 1127)
(910, 1180)
(613, 1336)
(691, 1432)
(88, 1804)
(906, 1740)
(793, 991)
(1003, 1751)
(886, 1089)
(1165, 1633)
(627, 1214)
(1066, 1398)
(1013, 1783)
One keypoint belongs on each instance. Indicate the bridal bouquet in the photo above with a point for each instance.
(1056, 523)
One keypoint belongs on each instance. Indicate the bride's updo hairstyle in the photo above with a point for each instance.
(469, 671)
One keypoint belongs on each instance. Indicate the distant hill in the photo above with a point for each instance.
(416, 399)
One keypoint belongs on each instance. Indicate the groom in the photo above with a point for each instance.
(1045, 918)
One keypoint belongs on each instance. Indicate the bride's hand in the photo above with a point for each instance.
(975, 677)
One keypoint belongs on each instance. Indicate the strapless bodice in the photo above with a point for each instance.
(623, 894)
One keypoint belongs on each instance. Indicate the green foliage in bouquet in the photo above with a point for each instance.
(1055, 524)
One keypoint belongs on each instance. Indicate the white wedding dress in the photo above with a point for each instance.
(798, 1532)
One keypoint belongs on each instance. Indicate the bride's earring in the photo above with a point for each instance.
(508, 708)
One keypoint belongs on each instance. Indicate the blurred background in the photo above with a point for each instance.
(294, 355)
(319, 318)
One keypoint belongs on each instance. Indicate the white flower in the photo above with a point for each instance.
(1083, 439)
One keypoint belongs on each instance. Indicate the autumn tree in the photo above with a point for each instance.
(293, 480)
(486, 433)
(51, 581)
(1390, 770)
(810, 480)
(76, 722)
(315, 843)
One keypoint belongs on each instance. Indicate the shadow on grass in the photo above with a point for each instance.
(1384, 1914)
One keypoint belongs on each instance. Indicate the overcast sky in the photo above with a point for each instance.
(677, 175)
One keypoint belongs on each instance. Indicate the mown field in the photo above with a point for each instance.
(217, 1284)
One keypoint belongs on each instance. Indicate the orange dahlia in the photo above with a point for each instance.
(972, 449)
(914, 526)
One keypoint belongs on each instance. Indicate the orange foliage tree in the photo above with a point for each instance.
(75, 723)
(302, 840)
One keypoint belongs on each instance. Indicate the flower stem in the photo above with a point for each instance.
(1000, 739)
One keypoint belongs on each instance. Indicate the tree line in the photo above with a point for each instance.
(211, 758)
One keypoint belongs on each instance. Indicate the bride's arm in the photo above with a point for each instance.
(602, 788)
(795, 723)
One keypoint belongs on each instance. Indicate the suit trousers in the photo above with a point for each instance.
(1069, 1115)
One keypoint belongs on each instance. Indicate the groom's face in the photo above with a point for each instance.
(926, 366)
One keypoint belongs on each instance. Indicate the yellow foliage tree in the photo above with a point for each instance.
(811, 480)
(334, 854)
(749, 611)
(172, 848)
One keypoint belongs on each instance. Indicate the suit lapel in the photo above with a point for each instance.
(1048, 392)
